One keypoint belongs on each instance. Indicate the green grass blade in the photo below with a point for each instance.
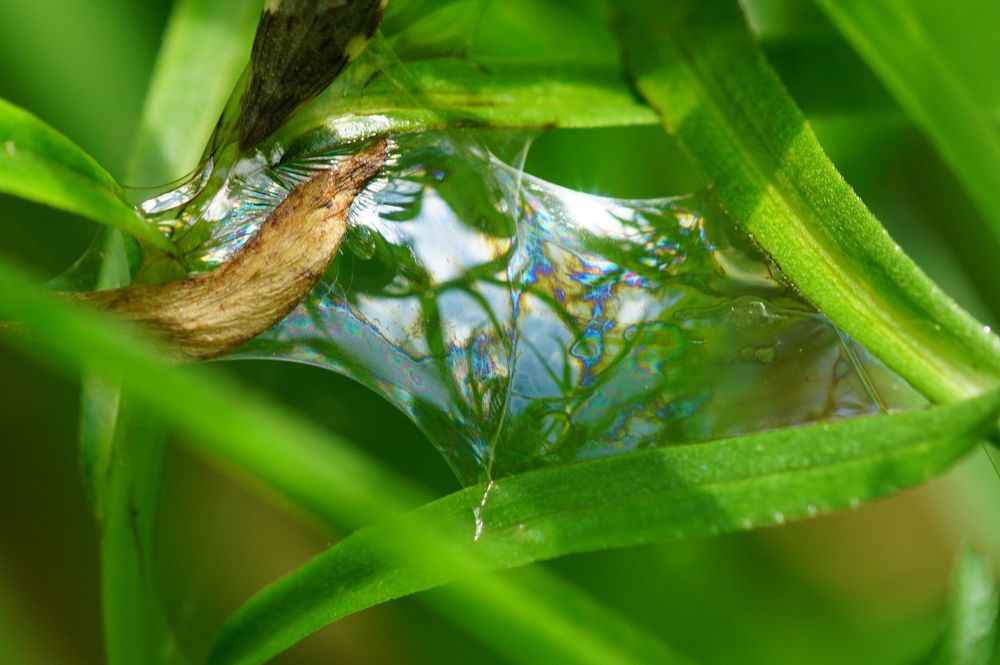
(971, 631)
(456, 92)
(316, 472)
(823, 74)
(650, 496)
(40, 164)
(135, 627)
(698, 65)
(891, 37)
(205, 48)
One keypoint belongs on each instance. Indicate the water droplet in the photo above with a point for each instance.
(478, 512)
(10, 147)
(779, 518)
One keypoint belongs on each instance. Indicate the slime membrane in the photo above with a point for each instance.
(521, 324)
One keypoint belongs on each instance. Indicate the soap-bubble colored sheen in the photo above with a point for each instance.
(521, 324)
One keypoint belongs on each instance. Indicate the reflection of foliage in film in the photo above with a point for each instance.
(523, 324)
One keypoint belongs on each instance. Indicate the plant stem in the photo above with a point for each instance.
(698, 65)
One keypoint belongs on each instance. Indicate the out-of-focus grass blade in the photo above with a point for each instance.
(891, 37)
(971, 631)
(425, 28)
(698, 65)
(655, 495)
(557, 605)
(205, 48)
(40, 164)
(316, 472)
(135, 625)
(100, 398)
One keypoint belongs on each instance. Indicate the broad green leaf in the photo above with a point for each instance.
(40, 164)
(649, 496)
(698, 65)
(971, 631)
(205, 48)
(454, 92)
(893, 39)
(316, 472)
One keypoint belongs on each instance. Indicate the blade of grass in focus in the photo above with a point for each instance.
(205, 47)
(698, 65)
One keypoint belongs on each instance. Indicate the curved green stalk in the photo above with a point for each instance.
(698, 65)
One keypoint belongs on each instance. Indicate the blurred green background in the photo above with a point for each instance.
(866, 586)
